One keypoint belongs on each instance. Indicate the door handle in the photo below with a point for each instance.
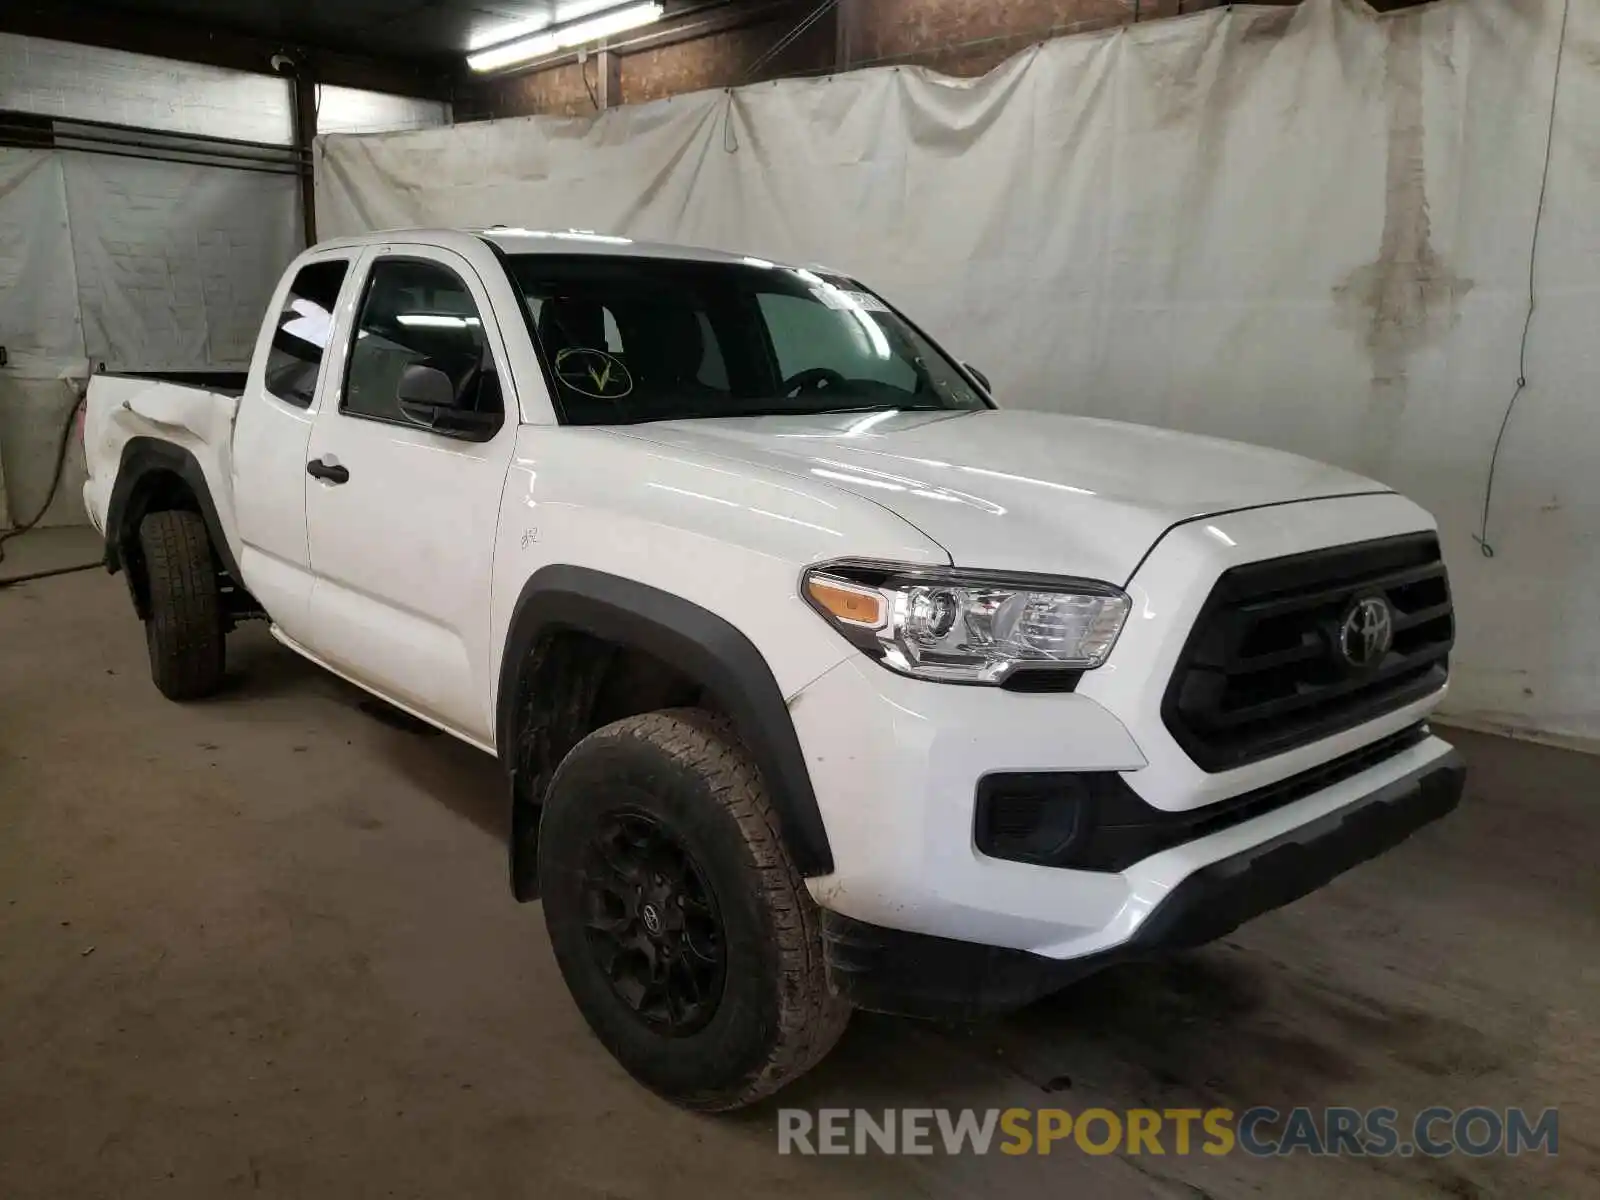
(319, 468)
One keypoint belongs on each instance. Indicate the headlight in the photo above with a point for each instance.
(967, 626)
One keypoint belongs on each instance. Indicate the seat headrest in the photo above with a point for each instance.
(664, 341)
(566, 322)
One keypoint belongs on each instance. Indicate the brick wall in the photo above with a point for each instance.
(559, 91)
(963, 37)
(724, 60)
(960, 37)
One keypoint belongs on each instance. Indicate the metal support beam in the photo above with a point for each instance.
(848, 46)
(305, 132)
(31, 131)
(608, 65)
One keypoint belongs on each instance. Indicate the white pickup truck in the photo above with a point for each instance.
(819, 681)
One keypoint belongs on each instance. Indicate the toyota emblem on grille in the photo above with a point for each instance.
(1366, 632)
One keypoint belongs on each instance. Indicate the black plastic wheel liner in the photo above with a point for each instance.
(693, 641)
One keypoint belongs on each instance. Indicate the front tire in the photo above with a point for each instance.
(680, 925)
(184, 629)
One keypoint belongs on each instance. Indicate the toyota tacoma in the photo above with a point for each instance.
(819, 681)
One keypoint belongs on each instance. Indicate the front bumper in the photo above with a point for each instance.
(889, 970)
(895, 764)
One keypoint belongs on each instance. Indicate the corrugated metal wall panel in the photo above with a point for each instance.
(350, 110)
(176, 262)
(90, 83)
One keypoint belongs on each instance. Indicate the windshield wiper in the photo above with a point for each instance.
(778, 411)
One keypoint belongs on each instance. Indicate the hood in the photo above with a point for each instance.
(1020, 491)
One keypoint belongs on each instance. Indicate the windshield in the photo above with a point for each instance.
(656, 339)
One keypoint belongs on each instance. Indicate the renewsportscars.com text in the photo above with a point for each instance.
(1260, 1131)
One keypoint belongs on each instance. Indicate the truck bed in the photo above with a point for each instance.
(196, 420)
(224, 383)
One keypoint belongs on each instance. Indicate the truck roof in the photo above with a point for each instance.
(516, 240)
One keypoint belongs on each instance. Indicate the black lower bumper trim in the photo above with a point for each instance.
(913, 974)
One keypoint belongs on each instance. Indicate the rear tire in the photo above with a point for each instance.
(675, 795)
(184, 629)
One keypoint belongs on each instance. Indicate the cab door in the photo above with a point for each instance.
(402, 518)
(282, 398)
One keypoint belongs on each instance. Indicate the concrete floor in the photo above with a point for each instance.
(57, 548)
(264, 944)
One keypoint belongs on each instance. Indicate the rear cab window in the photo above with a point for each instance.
(305, 324)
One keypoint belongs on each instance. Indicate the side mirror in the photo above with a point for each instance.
(979, 376)
(427, 396)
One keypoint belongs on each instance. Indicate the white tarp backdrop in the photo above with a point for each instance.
(1308, 228)
(138, 264)
(176, 262)
(39, 329)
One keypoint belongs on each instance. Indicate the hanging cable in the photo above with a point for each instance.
(583, 69)
(730, 139)
(13, 580)
(791, 37)
(1482, 536)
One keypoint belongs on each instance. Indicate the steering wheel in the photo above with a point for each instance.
(813, 379)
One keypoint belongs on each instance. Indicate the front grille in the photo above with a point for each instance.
(1263, 672)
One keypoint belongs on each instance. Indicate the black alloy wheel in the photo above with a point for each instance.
(683, 930)
(652, 923)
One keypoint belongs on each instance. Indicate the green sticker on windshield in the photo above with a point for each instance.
(593, 373)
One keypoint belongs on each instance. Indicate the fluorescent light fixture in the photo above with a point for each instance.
(505, 33)
(563, 36)
(574, 11)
